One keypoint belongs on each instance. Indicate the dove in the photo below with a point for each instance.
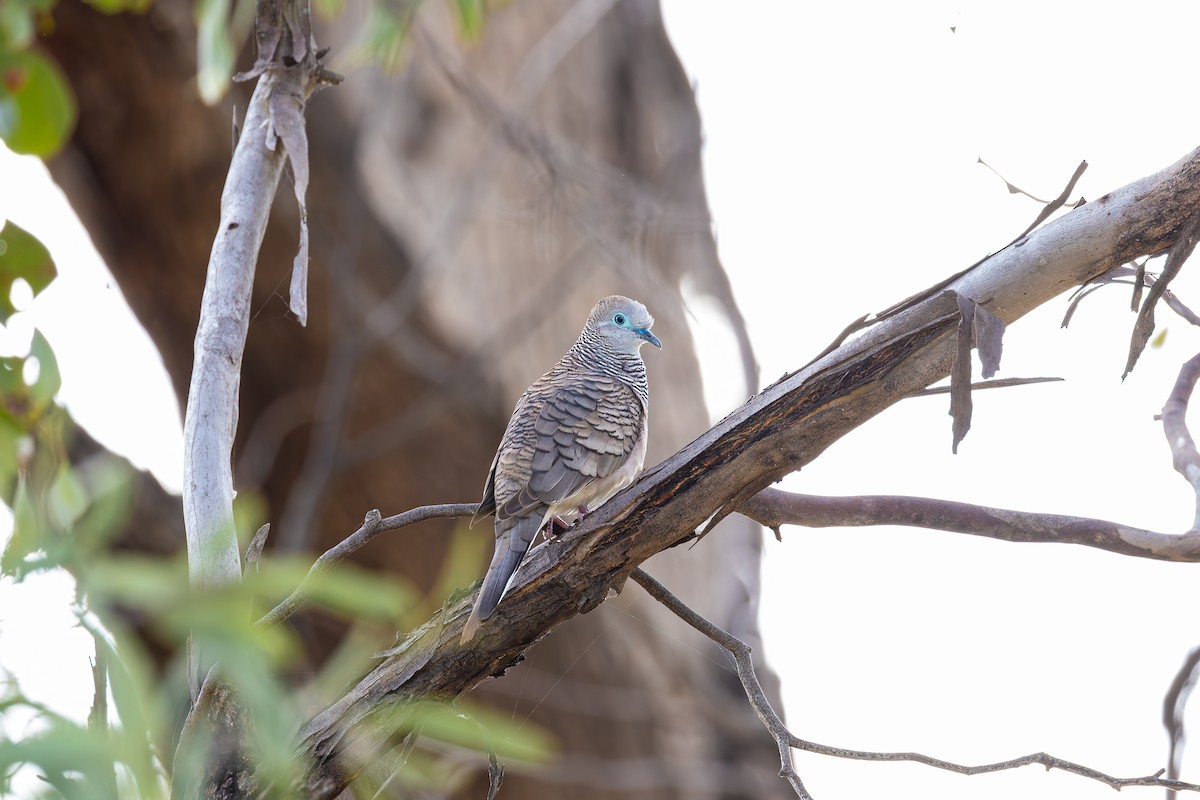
(576, 437)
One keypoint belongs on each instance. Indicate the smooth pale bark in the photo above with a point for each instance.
(211, 415)
(210, 422)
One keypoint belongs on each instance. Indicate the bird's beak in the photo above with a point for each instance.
(644, 333)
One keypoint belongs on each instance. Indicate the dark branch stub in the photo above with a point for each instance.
(1144, 327)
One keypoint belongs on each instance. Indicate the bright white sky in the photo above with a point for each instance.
(840, 162)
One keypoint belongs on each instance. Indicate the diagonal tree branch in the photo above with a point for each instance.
(778, 431)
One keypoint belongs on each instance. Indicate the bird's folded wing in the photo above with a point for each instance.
(584, 431)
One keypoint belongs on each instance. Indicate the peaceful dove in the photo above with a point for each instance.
(576, 438)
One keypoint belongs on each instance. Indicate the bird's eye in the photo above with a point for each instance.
(620, 318)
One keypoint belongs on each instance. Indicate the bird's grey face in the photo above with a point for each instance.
(626, 324)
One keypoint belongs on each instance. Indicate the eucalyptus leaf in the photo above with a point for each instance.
(24, 539)
(49, 379)
(21, 256)
(37, 108)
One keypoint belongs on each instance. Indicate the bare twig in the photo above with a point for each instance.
(1174, 704)
(786, 740)
(998, 383)
(1012, 188)
(255, 548)
(372, 526)
(1057, 202)
(1137, 274)
(1044, 759)
(773, 507)
(1184, 457)
(745, 670)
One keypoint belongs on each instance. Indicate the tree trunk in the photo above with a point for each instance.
(465, 214)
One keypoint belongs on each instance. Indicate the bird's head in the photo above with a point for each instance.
(623, 323)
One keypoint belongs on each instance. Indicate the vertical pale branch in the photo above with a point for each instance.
(288, 72)
(211, 418)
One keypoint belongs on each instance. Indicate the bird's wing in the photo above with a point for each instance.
(585, 430)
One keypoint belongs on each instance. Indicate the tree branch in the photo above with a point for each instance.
(774, 507)
(778, 431)
(786, 740)
(210, 421)
(1044, 759)
(1184, 457)
(745, 670)
(372, 526)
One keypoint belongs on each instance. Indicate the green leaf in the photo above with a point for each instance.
(475, 729)
(24, 539)
(16, 26)
(470, 18)
(49, 379)
(383, 39)
(214, 49)
(37, 109)
(11, 434)
(111, 7)
(329, 8)
(68, 499)
(21, 256)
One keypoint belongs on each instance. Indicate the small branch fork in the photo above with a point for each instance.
(786, 740)
(372, 526)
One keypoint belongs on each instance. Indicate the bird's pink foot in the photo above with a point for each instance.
(555, 527)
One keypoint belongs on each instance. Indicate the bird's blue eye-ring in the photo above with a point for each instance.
(620, 318)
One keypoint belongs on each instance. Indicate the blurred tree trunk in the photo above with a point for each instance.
(466, 213)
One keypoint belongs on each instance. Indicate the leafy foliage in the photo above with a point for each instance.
(68, 509)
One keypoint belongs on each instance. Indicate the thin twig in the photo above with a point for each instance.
(998, 383)
(745, 670)
(372, 526)
(1044, 759)
(786, 740)
(1057, 202)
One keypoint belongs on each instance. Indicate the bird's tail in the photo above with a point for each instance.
(511, 545)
